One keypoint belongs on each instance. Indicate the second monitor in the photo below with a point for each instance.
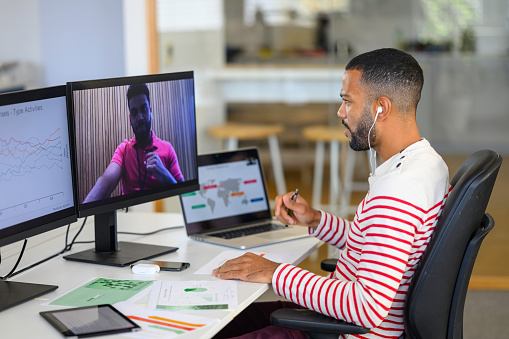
(135, 143)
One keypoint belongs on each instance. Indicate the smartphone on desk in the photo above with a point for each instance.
(175, 266)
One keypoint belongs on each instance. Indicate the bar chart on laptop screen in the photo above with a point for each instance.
(35, 165)
(226, 190)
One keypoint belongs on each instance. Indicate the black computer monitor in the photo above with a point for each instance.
(135, 143)
(36, 174)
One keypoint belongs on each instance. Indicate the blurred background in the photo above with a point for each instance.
(281, 62)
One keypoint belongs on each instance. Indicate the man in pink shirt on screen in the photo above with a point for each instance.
(145, 161)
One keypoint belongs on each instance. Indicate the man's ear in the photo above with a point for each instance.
(385, 104)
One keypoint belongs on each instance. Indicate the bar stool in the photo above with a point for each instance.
(336, 138)
(233, 132)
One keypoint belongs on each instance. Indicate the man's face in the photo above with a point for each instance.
(356, 113)
(140, 116)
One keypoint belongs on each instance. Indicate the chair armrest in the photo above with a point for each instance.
(311, 321)
(329, 265)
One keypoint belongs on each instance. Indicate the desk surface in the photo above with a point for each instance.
(24, 321)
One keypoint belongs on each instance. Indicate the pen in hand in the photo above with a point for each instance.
(294, 198)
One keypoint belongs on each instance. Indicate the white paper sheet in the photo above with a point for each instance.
(224, 256)
(158, 323)
(193, 295)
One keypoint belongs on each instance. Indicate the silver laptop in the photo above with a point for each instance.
(231, 208)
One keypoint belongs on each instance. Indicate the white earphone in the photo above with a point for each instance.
(372, 152)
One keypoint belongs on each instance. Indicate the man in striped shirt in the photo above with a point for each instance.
(392, 226)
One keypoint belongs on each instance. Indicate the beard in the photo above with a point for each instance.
(142, 130)
(359, 138)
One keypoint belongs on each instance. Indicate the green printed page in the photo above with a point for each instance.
(102, 291)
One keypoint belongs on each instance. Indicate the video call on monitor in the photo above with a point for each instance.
(109, 127)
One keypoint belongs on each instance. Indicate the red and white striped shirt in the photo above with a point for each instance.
(380, 247)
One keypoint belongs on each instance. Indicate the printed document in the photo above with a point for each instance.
(193, 295)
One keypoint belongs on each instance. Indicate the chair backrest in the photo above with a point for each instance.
(440, 282)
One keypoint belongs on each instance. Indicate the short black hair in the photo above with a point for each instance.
(392, 73)
(138, 89)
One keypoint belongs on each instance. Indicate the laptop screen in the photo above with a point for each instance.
(232, 192)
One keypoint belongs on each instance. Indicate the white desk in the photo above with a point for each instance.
(24, 321)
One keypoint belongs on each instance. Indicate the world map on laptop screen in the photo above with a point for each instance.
(226, 190)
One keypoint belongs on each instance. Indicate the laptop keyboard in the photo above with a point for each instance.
(247, 231)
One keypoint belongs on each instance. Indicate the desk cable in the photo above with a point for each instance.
(67, 247)
(150, 233)
(132, 233)
(11, 273)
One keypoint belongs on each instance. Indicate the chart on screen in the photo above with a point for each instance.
(225, 190)
(34, 159)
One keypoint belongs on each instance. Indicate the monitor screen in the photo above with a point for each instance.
(232, 191)
(36, 174)
(135, 143)
(36, 178)
(135, 139)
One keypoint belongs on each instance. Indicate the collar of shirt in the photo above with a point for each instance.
(149, 148)
(390, 164)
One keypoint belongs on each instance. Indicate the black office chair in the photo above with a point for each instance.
(436, 296)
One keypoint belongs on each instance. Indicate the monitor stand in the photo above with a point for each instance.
(110, 252)
(13, 293)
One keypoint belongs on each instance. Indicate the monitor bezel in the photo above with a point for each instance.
(123, 201)
(57, 219)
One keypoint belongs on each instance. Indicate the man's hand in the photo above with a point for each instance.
(303, 214)
(156, 168)
(248, 267)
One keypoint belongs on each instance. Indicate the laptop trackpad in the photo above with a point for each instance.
(273, 235)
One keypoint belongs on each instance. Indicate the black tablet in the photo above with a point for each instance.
(89, 321)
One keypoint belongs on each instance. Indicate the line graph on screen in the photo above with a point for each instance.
(33, 160)
(19, 158)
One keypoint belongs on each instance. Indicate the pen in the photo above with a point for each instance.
(294, 198)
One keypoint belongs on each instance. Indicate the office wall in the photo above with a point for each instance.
(64, 40)
(20, 42)
(19, 24)
(135, 38)
(81, 40)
